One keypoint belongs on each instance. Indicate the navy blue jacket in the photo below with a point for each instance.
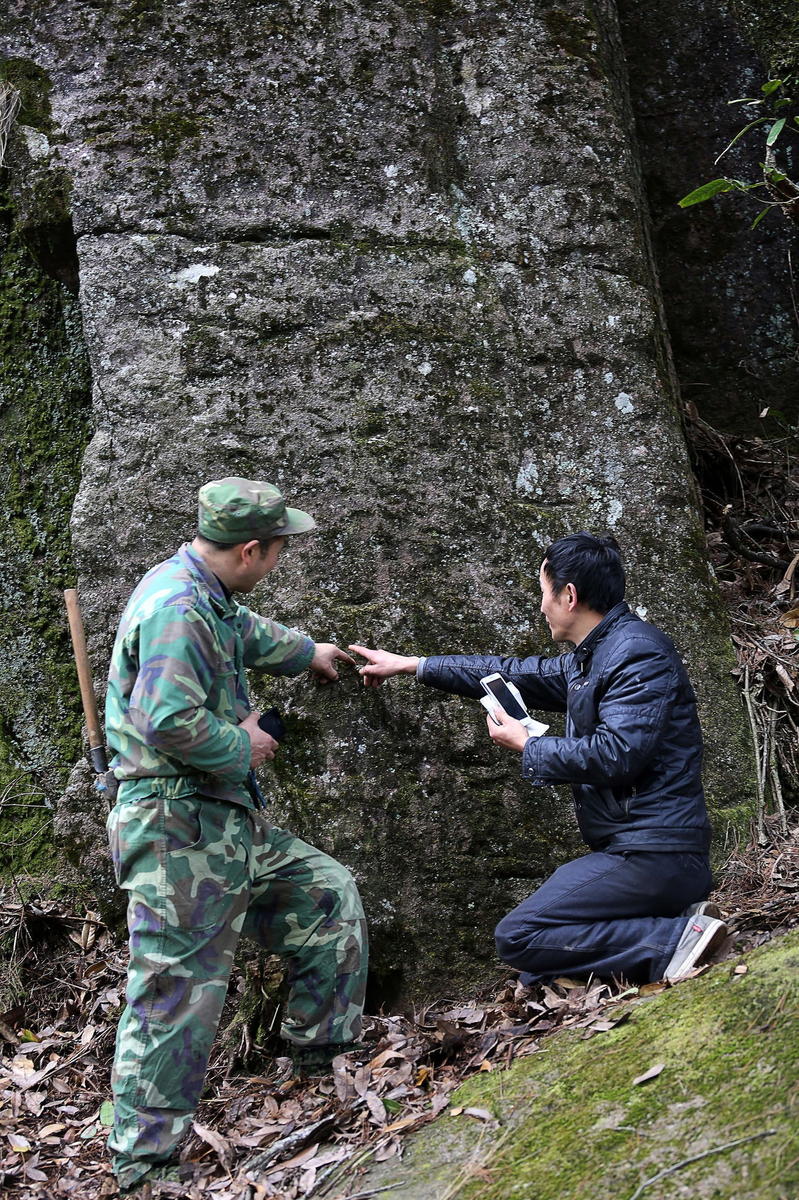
(632, 749)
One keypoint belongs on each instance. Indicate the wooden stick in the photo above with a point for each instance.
(96, 744)
(292, 1141)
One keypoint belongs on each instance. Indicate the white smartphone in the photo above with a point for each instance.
(505, 695)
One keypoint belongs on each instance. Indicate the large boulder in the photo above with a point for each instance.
(395, 258)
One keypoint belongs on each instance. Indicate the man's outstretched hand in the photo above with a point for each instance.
(382, 665)
(323, 661)
(509, 733)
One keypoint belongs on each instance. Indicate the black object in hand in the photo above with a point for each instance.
(272, 723)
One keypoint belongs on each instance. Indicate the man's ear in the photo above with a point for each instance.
(571, 596)
(247, 551)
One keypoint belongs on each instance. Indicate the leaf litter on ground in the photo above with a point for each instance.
(262, 1135)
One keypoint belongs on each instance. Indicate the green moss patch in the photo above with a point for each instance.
(45, 424)
(773, 27)
(168, 131)
(570, 1121)
(34, 87)
(575, 35)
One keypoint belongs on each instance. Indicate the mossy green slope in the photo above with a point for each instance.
(572, 1123)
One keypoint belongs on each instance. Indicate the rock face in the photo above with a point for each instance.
(45, 406)
(393, 257)
(727, 288)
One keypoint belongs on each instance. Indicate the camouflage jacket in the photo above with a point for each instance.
(177, 687)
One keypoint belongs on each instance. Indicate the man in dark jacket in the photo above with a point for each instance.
(632, 751)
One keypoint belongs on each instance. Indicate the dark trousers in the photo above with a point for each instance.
(605, 914)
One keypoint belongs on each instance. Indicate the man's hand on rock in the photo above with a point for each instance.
(262, 745)
(382, 665)
(509, 733)
(325, 655)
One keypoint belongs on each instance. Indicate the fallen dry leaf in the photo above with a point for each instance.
(402, 1123)
(790, 619)
(297, 1160)
(376, 1107)
(480, 1114)
(218, 1143)
(652, 1073)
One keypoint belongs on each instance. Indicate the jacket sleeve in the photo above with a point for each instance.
(272, 647)
(543, 682)
(177, 669)
(633, 713)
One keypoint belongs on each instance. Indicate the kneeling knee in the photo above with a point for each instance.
(506, 936)
(515, 937)
(345, 889)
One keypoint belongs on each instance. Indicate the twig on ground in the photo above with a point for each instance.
(737, 536)
(761, 835)
(294, 1141)
(389, 1187)
(685, 1162)
(774, 775)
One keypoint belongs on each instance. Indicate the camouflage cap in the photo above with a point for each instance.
(235, 510)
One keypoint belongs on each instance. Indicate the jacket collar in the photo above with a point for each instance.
(200, 570)
(589, 643)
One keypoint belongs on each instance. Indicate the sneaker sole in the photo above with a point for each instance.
(710, 940)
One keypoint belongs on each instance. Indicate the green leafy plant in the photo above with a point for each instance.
(777, 124)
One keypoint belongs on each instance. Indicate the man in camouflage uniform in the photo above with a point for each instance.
(200, 864)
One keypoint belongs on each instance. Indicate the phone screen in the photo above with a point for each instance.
(500, 691)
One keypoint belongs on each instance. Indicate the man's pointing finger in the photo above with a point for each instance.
(364, 651)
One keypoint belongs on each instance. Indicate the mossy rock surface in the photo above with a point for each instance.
(726, 288)
(393, 257)
(571, 1122)
(44, 427)
(773, 26)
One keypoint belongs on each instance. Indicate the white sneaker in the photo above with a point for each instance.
(701, 936)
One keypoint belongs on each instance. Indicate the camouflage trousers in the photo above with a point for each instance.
(199, 873)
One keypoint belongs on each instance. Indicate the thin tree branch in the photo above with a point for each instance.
(761, 832)
(753, 1137)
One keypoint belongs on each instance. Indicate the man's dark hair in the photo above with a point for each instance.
(264, 543)
(592, 564)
